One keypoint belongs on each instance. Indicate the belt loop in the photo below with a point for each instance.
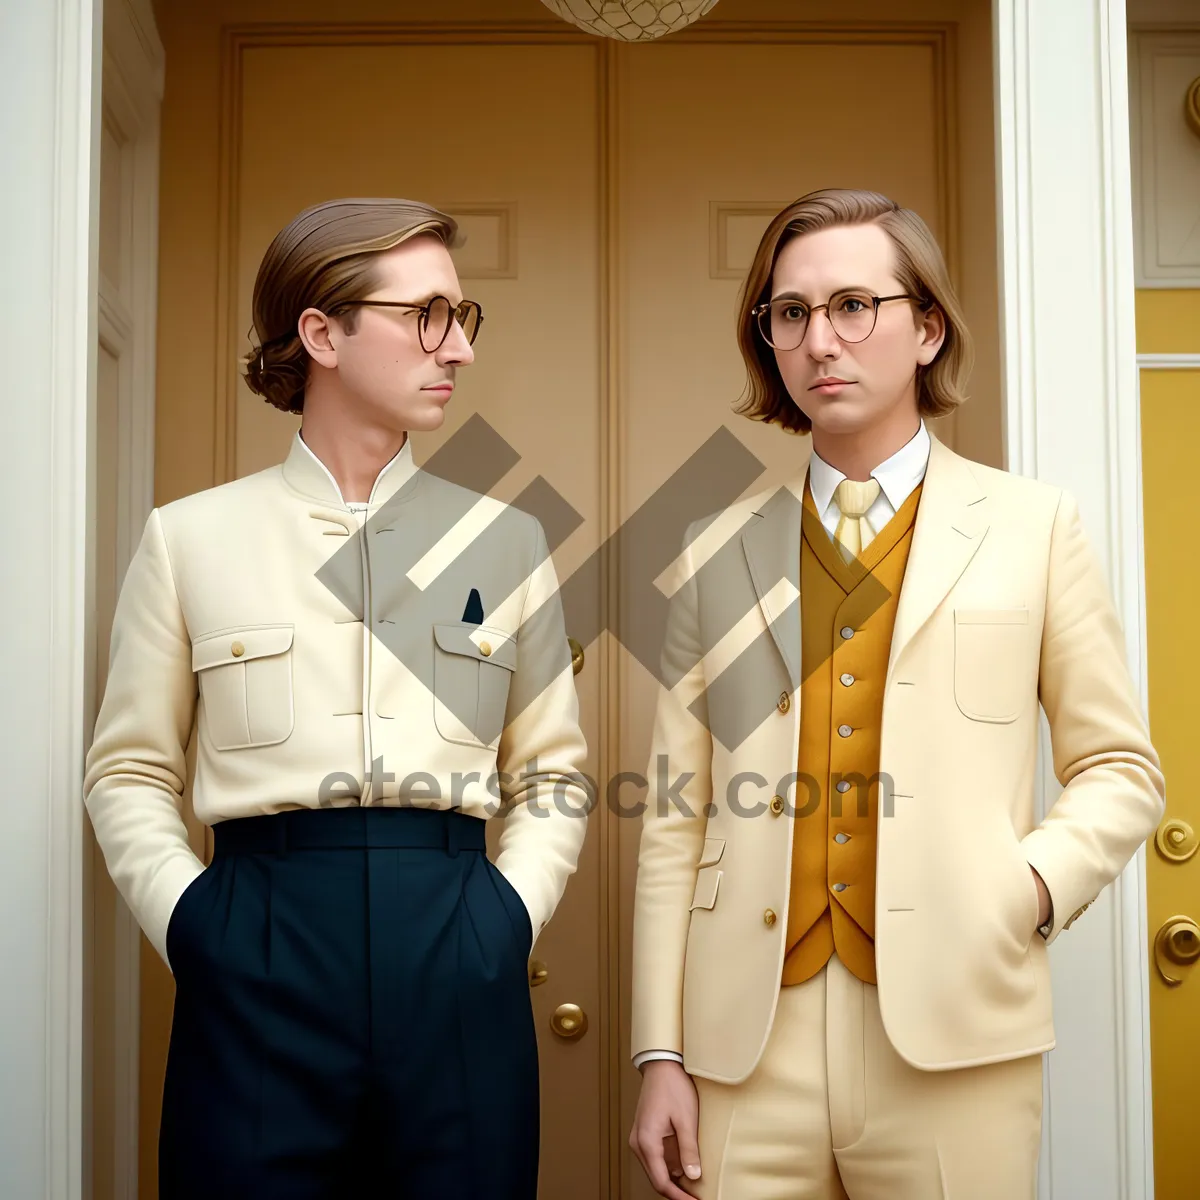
(280, 823)
(451, 819)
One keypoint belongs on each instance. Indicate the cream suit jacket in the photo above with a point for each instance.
(1003, 605)
(322, 658)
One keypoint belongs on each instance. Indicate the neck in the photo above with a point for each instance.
(353, 451)
(858, 452)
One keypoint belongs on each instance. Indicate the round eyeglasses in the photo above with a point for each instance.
(852, 313)
(434, 317)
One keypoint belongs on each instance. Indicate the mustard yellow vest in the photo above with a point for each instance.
(832, 906)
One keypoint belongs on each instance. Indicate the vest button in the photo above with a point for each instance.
(839, 887)
(769, 917)
(847, 679)
(777, 804)
(841, 838)
(237, 649)
(843, 785)
(847, 632)
(844, 731)
(784, 702)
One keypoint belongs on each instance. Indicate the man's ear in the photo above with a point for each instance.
(315, 331)
(933, 333)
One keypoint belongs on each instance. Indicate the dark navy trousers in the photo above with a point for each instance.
(352, 1015)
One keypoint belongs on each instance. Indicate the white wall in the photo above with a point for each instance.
(47, 75)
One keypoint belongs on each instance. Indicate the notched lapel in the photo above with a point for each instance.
(772, 548)
(952, 520)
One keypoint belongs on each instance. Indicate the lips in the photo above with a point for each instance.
(829, 382)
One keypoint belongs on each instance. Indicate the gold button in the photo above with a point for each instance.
(784, 702)
(777, 804)
(237, 649)
(769, 916)
(485, 648)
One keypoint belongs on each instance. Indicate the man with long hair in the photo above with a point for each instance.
(841, 987)
(375, 661)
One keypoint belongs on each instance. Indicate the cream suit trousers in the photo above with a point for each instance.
(832, 1112)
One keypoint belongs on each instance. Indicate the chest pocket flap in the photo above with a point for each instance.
(478, 642)
(240, 645)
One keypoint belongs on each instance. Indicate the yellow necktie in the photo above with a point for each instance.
(853, 501)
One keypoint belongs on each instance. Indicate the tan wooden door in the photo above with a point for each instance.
(739, 128)
(612, 196)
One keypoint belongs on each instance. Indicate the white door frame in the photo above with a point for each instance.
(1071, 417)
(131, 101)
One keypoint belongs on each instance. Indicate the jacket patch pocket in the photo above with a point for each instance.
(707, 883)
(991, 668)
(472, 670)
(245, 679)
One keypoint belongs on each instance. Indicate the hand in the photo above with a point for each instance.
(664, 1128)
(1043, 899)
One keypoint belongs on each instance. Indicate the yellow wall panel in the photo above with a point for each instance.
(1168, 321)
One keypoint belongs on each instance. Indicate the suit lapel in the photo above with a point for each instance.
(950, 526)
(772, 548)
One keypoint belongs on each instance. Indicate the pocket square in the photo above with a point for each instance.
(473, 613)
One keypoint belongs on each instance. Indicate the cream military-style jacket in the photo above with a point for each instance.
(326, 654)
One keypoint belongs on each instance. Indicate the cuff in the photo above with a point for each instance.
(650, 1055)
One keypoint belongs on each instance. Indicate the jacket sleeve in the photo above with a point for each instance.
(135, 770)
(672, 833)
(1113, 790)
(542, 753)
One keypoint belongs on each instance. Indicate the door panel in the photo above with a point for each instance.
(699, 184)
(527, 194)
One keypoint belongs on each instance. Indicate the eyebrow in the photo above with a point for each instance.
(850, 287)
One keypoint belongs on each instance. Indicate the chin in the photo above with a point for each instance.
(835, 418)
(427, 418)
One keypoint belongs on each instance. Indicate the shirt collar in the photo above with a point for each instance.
(307, 474)
(897, 477)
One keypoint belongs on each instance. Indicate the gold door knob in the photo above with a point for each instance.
(576, 655)
(1178, 942)
(569, 1021)
(538, 972)
(1176, 840)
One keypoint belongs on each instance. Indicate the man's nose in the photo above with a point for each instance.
(456, 349)
(819, 338)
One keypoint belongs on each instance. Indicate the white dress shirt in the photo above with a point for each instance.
(898, 477)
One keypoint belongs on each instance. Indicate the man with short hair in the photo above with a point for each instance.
(843, 990)
(375, 661)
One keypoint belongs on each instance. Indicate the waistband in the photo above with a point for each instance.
(349, 829)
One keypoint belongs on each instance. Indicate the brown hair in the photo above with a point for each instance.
(324, 258)
(920, 269)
